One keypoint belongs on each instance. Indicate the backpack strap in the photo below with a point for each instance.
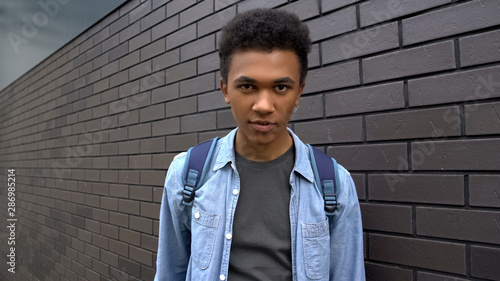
(326, 175)
(195, 168)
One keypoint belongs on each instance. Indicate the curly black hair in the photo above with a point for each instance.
(264, 30)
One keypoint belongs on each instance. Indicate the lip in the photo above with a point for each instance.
(262, 125)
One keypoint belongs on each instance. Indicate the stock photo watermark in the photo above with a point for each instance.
(484, 90)
(84, 147)
(31, 25)
(11, 220)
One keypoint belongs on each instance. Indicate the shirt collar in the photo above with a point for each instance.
(302, 164)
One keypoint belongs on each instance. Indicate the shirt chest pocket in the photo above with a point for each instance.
(203, 231)
(316, 244)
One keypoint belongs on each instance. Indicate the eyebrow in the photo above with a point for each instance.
(251, 80)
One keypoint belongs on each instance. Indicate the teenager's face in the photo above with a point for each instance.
(262, 89)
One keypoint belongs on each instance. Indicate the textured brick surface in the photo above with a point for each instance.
(378, 272)
(482, 119)
(480, 48)
(403, 93)
(384, 217)
(379, 10)
(332, 77)
(457, 155)
(372, 40)
(430, 58)
(433, 189)
(452, 20)
(442, 256)
(470, 85)
(330, 131)
(484, 262)
(371, 157)
(360, 100)
(459, 224)
(426, 123)
(484, 190)
(333, 24)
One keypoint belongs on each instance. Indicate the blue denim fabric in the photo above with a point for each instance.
(193, 242)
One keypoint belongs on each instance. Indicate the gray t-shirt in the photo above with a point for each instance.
(261, 246)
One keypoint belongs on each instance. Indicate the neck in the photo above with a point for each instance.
(262, 152)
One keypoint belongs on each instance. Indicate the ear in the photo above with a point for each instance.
(223, 88)
(299, 94)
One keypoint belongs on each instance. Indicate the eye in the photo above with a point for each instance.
(281, 88)
(246, 87)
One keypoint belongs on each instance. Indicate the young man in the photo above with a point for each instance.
(260, 215)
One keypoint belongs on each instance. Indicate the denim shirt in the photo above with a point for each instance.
(194, 241)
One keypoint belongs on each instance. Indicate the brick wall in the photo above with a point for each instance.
(405, 94)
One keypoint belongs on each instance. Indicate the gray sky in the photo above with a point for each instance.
(31, 30)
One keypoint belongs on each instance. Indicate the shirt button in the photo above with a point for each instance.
(229, 236)
(235, 191)
(197, 215)
(222, 277)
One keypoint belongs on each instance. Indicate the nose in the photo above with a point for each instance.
(264, 103)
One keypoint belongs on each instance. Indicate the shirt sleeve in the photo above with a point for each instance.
(174, 237)
(346, 234)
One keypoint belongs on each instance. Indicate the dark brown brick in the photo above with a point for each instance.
(414, 124)
(199, 122)
(333, 24)
(365, 99)
(197, 85)
(182, 142)
(380, 272)
(141, 256)
(472, 85)
(139, 162)
(181, 71)
(166, 127)
(371, 157)
(211, 101)
(165, 27)
(142, 193)
(330, 131)
(165, 93)
(153, 49)
(216, 21)
(368, 41)
(182, 36)
(153, 145)
(390, 218)
(153, 112)
(484, 262)
(332, 77)
(181, 107)
(310, 107)
(303, 9)
(456, 155)
(155, 178)
(425, 59)
(424, 276)
(484, 190)
(482, 119)
(437, 255)
(198, 11)
(176, 6)
(481, 226)
(155, 17)
(433, 189)
(444, 22)
(379, 10)
(480, 48)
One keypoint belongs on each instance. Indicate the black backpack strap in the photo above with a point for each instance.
(195, 168)
(326, 175)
